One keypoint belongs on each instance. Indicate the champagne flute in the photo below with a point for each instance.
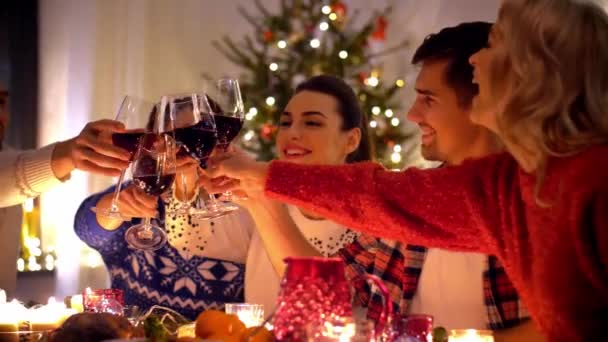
(134, 113)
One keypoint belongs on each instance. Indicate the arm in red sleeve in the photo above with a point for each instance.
(452, 207)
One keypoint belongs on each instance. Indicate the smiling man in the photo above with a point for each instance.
(461, 290)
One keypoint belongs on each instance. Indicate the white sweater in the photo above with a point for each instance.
(25, 174)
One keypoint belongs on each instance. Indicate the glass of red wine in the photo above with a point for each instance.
(135, 114)
(196, 135)
(153, 172)
(226, 105)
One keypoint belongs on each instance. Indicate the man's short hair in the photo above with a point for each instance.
(455, 45)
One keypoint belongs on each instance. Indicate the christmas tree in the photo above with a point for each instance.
(307, 38)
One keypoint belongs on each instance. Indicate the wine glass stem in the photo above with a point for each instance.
(146, 225)
(114, 205)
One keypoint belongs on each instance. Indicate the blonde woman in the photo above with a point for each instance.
(542, 208)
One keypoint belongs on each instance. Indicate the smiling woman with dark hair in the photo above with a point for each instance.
(321, 124)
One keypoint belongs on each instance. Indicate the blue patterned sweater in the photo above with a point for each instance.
(162, 277)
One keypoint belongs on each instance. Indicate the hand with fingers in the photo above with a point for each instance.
(234, 171)
(92, 151)
(132, 202)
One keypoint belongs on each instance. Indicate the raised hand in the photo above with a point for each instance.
(91, 150)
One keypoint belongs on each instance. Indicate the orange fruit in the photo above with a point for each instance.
(263, 335)
(223, 338)
(214, 322)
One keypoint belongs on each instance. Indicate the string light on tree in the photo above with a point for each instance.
(396, 157)
(376, 110)
(251, 113)
(273, 67)
(270, 101)
(395, 122)
(400, 83)
(397, 148)
(389, 113)
(248, 136)
(372, 81)
(313, 31)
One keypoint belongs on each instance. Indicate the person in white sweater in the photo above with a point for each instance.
(27, 174)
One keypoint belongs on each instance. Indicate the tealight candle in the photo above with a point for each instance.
(11, 314)
(252, 315)
(50, 316)
(76, 303)
(471, 335)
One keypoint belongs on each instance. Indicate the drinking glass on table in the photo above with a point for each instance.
(135, 114)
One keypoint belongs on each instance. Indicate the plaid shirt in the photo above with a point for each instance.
(382, 258)
(504, 308)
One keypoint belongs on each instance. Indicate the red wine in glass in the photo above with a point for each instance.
(128, 141)
(228, 127)
(154, 185)
(197, 140)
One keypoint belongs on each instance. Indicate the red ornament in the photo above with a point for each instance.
(267, 132)
(339, 8)
(268, 36)
(362, 77)
(380, 29)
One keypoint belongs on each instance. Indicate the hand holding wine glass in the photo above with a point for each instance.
(153, 173)
(235, 171)
(134, 115)
(131, 203)
(91, 150)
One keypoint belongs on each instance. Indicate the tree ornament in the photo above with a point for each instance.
(268, 131)
(268, 36)
(380, 29)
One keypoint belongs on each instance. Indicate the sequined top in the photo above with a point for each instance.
(555, 254)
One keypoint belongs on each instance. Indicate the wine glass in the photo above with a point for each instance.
(153, 172)
(135, 114)
(226, 105)
(195, 132)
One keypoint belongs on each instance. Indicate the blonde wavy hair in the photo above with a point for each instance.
(555, 57)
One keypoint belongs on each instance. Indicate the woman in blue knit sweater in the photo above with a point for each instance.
(201, 267)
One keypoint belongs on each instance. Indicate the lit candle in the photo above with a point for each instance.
(50, 316)
(11, 314)
(252, 315)
(471, 335)
(76, 303)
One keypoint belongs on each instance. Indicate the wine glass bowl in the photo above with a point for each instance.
(153, 170)
(135, 114)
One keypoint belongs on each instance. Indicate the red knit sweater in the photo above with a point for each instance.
(556, 255)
